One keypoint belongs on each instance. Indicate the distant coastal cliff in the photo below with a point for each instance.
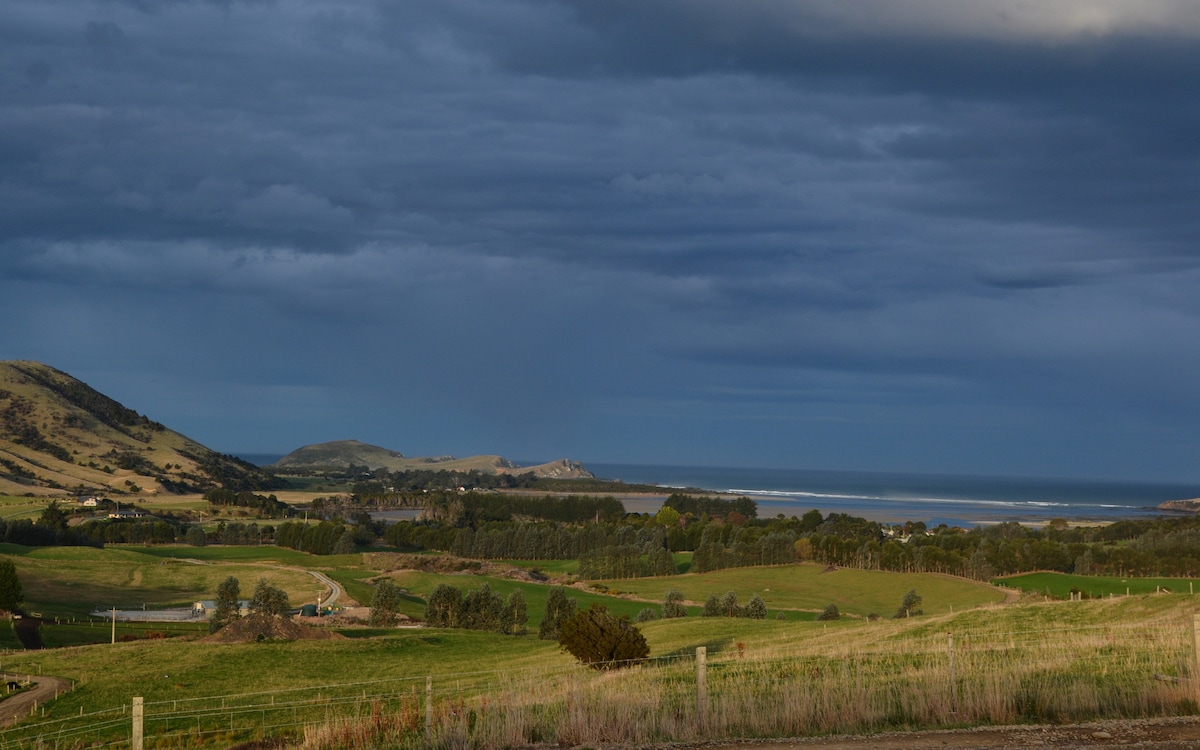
(1181, 506)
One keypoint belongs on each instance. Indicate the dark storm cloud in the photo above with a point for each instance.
(538, 227)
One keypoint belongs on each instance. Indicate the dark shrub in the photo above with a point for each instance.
(830, 613)
(598, 639)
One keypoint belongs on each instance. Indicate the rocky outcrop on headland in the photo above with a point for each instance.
(1181, 506)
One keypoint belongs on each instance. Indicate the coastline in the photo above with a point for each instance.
(637, 502)
(894, 497)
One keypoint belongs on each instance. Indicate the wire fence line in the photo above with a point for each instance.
(958, 666)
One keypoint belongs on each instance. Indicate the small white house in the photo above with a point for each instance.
(122, 514)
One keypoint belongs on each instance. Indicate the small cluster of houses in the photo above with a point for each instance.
(115, 511)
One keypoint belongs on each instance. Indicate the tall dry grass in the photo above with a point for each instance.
(878, 677)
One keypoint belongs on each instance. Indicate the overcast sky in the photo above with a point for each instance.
(902, 235)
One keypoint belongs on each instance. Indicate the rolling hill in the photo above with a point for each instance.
(340, 455)
(58, 435)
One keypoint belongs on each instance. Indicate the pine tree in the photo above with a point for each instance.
(756, 608)
(385, 604)
(10, 586)
(662, 564)
(558, 609)
(53, 517)
(483, 610)
(673, 604)
(269, 600)
(909, 605)
(444, 608)
(227, 606)
(345, 543)
(729, 605)
(516, 613)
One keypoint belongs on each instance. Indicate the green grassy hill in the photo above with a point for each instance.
(72, 581)
(1061, 661)
(1063, 585)
(810, 586)
(1028, 661)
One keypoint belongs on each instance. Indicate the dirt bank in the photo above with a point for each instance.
(1145, 734)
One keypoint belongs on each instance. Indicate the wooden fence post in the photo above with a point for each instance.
(1196, 654)
(953, 680)
(139, 710)
(702, 684)
(429, 711)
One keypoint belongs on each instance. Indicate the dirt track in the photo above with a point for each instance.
(19, 705)
(1148, 734)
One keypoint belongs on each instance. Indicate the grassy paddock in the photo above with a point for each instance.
(72, 581)
(423, 584)
(268, 553)
(1053, 661)
(1061, 585)
(768, 679)
(14, 507)
(809, 586)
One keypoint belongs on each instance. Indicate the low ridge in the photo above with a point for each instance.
(340, 455)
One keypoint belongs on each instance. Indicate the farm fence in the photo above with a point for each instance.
(721, 689)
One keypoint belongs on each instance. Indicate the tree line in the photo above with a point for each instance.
(264, 506)
(1164, 546)
(483, 526)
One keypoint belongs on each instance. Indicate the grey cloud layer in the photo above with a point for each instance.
(912, 214)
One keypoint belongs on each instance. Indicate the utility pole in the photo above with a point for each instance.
(114, 624)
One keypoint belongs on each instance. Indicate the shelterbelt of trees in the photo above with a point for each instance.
(719, 533)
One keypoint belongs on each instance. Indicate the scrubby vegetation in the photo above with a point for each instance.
(601, 641)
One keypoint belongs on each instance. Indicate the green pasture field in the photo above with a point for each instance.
(15, 507)
(683, 561)
(1061, 585)
(110, 675)
(347, 570)
(1141, 611)
(152, 503)
(355, 582)
(263, 553)
(807, 586)
(1056, 652)
(69, 582)
(67, 632)
(551, 567)
(423, 584)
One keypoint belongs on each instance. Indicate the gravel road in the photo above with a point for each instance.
(1145, 734)
(44, 689)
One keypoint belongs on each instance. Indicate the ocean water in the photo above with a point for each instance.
(955, 500)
